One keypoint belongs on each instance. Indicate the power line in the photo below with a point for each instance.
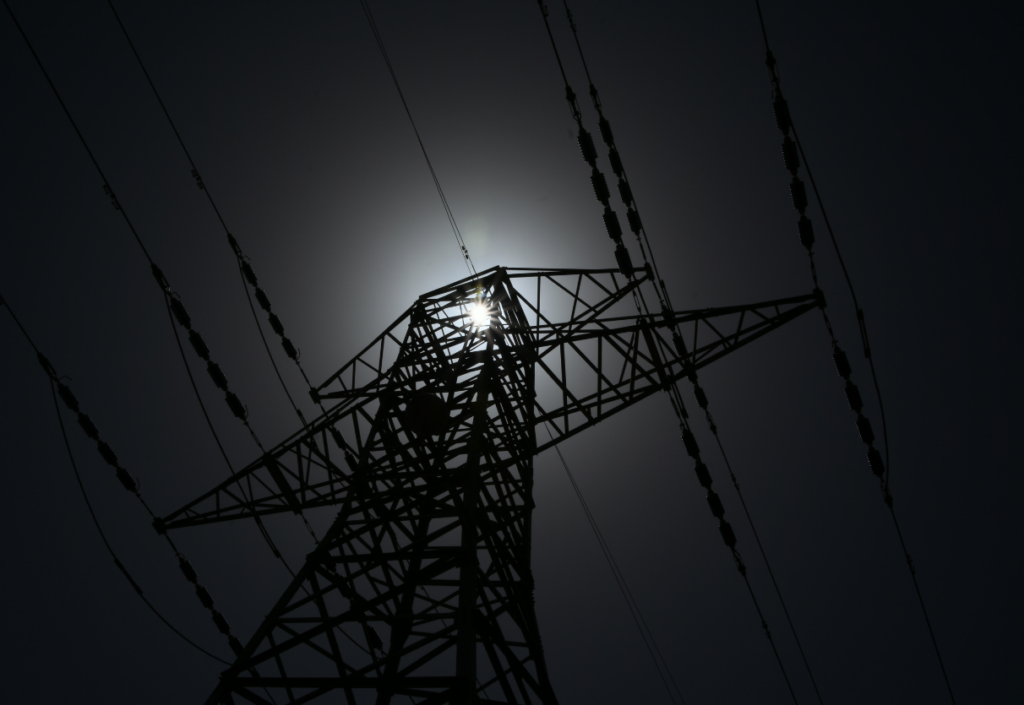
(629, 199)
(245, 270)
(437, 183)
(634, 609)
(768, 565)
(129, 482)
(678, 406)
(790, 149)
(106, 543)
(171, 299)
(774, 76)
(248, 278)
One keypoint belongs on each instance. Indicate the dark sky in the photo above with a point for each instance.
(911, 118)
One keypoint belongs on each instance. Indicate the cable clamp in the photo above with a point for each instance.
(113, 199)
(47, 367)
(160, 278)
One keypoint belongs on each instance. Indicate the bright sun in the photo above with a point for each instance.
(480, 313)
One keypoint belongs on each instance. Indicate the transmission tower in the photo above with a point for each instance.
(422, 587)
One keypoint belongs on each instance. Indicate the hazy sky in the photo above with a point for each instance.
(911, 120)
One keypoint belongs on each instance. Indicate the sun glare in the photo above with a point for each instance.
(480, 314)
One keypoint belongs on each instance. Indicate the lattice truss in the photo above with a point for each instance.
(422, 587)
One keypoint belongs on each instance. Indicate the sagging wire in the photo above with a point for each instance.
(57, 387)
(171, 298)
(597, 178)
(861, 323)
(131, 484)
(245, 271)
(678, 406)
(106, 543)
(793, 153)
(85, 496)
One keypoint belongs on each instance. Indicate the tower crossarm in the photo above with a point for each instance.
(312, 467)
(573, 337)
(592, 368)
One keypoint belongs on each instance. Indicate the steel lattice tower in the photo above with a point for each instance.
(422, 586)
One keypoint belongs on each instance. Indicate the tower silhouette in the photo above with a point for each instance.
(422, 585)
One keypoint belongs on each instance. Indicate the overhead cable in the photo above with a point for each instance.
(171, 298)
(861, 323)
(678, 406)
(433, 175)
(245, 270)
(246, 273)
(127, 481)
(660, 664)
(791, 148)
(629, 199)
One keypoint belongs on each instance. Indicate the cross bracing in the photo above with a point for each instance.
(595, 359)
(422, 587)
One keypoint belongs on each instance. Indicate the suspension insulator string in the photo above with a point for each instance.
(601, 191)
(675, 398)
(600, 186)
(171, 298)
(635, 222)
(245, 269)
(129, 482)
(728, 535)
(793, 153)
(714, 501)
(702, 401)
(624, 189)
(250, 281)
(103, 537)
(597, 178)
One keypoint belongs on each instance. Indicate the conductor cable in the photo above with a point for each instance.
(171, 298)
(128, 482)
(249, 279)
(678, 406)
(433, 175)
(106, 543)
(245, 271)
(862, 325)
(660, 664)
(793, 152)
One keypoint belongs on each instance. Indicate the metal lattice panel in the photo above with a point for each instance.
(422, 585)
